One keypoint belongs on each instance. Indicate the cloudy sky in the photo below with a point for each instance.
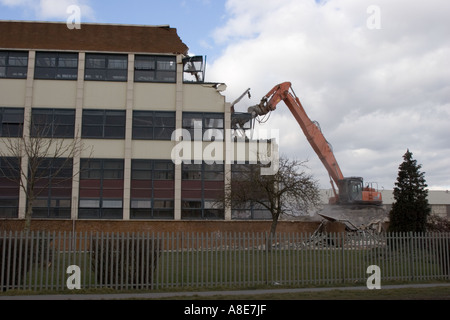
(374, 73)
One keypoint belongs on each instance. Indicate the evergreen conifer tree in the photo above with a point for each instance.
(410, 209)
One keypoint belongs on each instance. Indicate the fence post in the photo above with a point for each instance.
(342, 256)
(4, 264)
(446, 265)
(266, 260)
(411, 254)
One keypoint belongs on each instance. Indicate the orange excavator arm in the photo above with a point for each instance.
(284, 92)
(351, 189)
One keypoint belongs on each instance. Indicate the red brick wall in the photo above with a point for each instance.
(160, 226)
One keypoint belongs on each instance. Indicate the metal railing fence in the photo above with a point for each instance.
(145, 261)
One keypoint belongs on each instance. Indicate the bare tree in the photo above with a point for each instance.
(39, 161)
(436, 223)
(290, 191)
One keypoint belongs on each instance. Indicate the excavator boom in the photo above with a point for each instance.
(351, 190)
(284, 92)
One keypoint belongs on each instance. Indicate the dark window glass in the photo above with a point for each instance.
(155, 69)
(153, 125)
(204, 126)
(9, 208)
(9, 187)
(211, 172)
(202, 187)
(53, 123)
(249, 210)
(56, 66)
(53, 188)
(242, 121)
(106, 67)
(101, 169)
(54, 168)
(11, 122)
(9, 168)
(152, 189)
(101, 189)
(104, 124)
(13, 64)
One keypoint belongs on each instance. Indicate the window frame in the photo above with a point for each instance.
(151, 208)
(9, 187)
(107, 71)
(251, 210)
(22, 70)
(190, 123)
(203, 174)
(156, 71)
(50, 169)
(101, 170)
(201, 179)
(52, 115)
(3, 124)
(149, 131)
(45, 72)
(104, 126)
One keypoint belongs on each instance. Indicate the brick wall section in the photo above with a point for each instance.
(162, 226)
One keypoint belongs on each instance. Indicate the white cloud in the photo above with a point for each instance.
(374, 92)
(51, 9)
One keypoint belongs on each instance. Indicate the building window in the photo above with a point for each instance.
(101, 189)
(241, 121)
(155, 69)
(152, 189)
(9, 187)
(153, 125)
(56, 66)
(13, 64)
(11, 122)
(106, 67)
(53, 123)
(194, 69)
(201, 191)
(250, 210)
(204, 126)
(104, 124)
(53, 189)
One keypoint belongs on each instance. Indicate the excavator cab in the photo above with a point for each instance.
(352, 191)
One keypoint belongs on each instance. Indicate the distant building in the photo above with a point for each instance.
(439, 201)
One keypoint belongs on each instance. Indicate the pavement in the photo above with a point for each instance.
(166, 295)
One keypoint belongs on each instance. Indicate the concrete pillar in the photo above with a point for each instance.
(26, 128)
(228, 155)
(128, 139)
(78, 127)
(179, 125)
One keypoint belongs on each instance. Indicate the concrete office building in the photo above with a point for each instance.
(123, 90)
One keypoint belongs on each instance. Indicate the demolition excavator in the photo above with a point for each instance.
(352, 201)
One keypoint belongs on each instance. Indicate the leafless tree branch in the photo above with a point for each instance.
(290, 191)
(40, 151)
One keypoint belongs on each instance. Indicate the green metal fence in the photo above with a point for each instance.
(145, 261)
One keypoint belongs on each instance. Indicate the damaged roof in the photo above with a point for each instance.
(91, 37)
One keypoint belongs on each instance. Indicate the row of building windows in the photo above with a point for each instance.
(101, 189)
(98, 67)
(109, 124)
